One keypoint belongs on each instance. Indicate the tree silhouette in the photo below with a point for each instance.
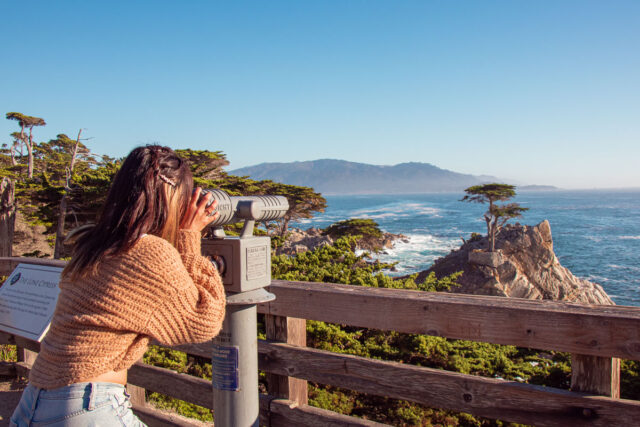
(27, 123)
(497, 215)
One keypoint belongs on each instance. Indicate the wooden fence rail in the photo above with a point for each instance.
(595, 335)
(592, 330)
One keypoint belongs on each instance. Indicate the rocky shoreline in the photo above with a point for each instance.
(299, 241)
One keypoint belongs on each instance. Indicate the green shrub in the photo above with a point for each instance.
(354, 227)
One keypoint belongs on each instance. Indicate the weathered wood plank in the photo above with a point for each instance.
(293, 331)
(597, 375)
(19, 369)
(138, 395)
(7, 369)
(607, 331)
(8, 264)
(181, 386)
(285, 413)
(276, 412)
(156, 418)
(264, 400)
(486, 397)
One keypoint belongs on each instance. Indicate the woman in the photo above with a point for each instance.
(135, 276)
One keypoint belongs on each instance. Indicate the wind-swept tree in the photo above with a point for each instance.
(205, 164)
(27, 123)
(497, 215)
(75, 149)
(15, 145)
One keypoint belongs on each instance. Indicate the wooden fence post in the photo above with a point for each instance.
(7, 216)
(26, 356)
(290, 330)
(598, 375)
(137, 394)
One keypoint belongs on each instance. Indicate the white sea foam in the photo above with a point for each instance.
(595, 279)
(433, 212)
(397, 210)
(383, 215)
(624, 267)
(420, 209)
(416, 253)
(629, 237)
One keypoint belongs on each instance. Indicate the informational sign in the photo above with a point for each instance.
(27, 300)
(225, 368)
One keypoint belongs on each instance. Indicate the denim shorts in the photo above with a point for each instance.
(75, 405)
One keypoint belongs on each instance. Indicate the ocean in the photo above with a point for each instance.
(596, 233)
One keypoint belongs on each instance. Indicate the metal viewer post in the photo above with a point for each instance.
(245, 267)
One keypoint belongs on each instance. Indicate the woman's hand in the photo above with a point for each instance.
(198, 215)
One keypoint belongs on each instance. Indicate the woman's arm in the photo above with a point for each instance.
(195, 310)
(193, 307)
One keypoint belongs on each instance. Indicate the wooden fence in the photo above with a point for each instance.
(596, 336)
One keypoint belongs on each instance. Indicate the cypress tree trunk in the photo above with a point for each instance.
(30, 160)
(7, 216)
(57, 251)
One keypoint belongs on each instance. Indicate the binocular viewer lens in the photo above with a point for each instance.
(234, 209)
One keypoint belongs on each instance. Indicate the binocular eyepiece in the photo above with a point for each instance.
(249, 209)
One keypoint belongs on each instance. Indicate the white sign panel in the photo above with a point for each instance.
(27, 300)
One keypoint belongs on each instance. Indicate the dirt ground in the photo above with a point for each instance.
(10, 392)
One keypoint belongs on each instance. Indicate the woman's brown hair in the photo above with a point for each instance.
(148, 195)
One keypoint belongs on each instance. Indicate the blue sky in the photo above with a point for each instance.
(538, 92)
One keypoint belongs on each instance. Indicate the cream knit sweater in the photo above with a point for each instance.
(104, 322)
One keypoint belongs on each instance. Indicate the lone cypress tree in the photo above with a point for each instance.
(497, 215)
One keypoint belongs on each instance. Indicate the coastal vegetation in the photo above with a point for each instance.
(62, 182)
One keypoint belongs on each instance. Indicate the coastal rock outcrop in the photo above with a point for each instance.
(304, 240)
(376, 244)
(298, 241)
(523, 266)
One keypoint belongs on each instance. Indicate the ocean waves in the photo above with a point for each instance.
(416, 253)
(397, 210)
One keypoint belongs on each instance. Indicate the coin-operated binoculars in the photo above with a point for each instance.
(244, 263)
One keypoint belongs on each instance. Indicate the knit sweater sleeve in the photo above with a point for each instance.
(194, 305)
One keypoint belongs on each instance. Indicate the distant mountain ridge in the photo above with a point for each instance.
(331, 176)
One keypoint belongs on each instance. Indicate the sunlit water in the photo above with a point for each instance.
(596, 234)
